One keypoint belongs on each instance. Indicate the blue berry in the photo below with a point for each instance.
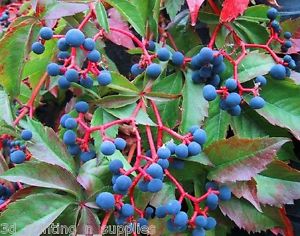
(89, 44)
(142, 222)
(198, 232)
(155, 185)
(37, 48)
(210, 223)
(86, 156)
(261, 79)
(136, 70)
(161, 212)
(257, 102)
(143, 186)
(115, 166)
(196, 63)
(182, 151)
(155, 171)
(173, 207)
(231, 84)
(220, 68)
(153, 70)
(178, 58)
(235, 111)
(151, 45)
(63, 83)
(196, 78)
(163, 54)
(74, 149)
(127, 210)
(75, 38)
(193, 128)
(163, 152)
(287, 58)
(292, 65)
(194, 148)
(123, 182)
(120, 143)
(206, 55)
(171, 226)
(288, 44)
(171, 146)
(82, 107)
(106, 201)
(275, 25)
(218, 58)
(72, 75)
(209, 92)
(233, 99)
(272, 13)
(225, 193)
(104, 78)
(87, 82)
(69, 137)
(212, 201)
(70, 123)
(53, 69)
(149, 212)
(200, 221)
(114, 178)
(17, 157)
(164, 163)
(46, 33)
(26, 135)
(63, 120)
(181, 219)
(62, 44)
(200, 136)
(108, 148)
(211, 185)
(63, 55)
(94, 56)
(215, 81)
(205, 72)
(287, 35)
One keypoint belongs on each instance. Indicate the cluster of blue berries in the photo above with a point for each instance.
(4, 19)
(68, 73)
(153, 70)
(5, 193)
(17, 148)
(207, 65)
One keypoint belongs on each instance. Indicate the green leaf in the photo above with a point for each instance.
(161, 97)
(34, 213)
(7, 129)
(5, 108)
(282, 106)
(245, 216)
(15, 45)
(36, 66)
(116, 101)
(194, 106)
(125, 112)
(241, 159)
(217, 124)
(130, 12)
(254, 64)
(257, 13)
(173, 7)
(102, 16)
(121, 83)
(46, 146)
(279, 184)
(251, 32)
(43, 175)
(94, 176)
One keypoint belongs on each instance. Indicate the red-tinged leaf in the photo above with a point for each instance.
(241, 159)
(246, 190)
(232, 9)
(62, 9)
(279, 184)
(194, 6)
(115, 20)
(90, 219)
(245, 216)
